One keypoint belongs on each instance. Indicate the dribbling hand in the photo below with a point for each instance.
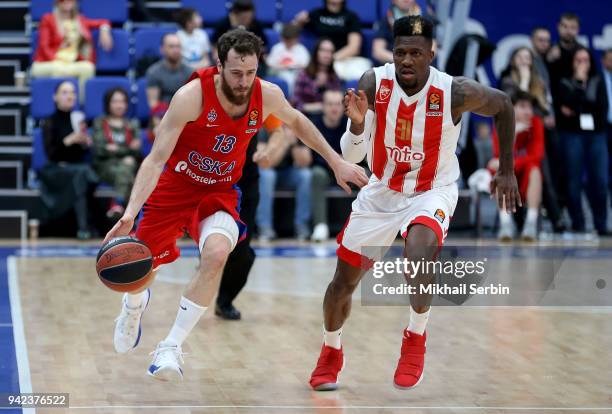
(121, 228)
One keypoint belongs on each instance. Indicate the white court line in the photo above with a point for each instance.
(334, 407)
(21, 350)
(6, 325)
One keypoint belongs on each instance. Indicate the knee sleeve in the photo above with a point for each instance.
(220, 222)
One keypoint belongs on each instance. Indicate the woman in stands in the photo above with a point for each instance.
(318, 77)
(67, 179)
(117, 145)
(66, 45)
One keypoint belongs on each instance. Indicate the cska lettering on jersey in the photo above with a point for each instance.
(212, 149)
(414, 138)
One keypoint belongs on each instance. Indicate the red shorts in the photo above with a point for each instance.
(176, 207)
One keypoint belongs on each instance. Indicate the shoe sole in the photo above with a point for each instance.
(139, 327)
(331, 386)
(399, 387)
(167, 375)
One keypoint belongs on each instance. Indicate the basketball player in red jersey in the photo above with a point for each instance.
(188, 182)
(406, 117)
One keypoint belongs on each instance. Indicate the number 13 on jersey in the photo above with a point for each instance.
(225, 144)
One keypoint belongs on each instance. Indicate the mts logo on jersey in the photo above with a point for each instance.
(404, 154)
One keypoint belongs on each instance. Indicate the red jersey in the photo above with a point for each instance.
(212, 149)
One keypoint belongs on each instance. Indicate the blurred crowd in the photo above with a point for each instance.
(560, 93)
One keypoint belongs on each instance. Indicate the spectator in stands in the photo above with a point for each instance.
(540, 44)
(167, 75)
(66, 45)
(528, 154)
(521, 74)
(383, 40)
(332, 124)
(483, 144)
(67, 180)
(195, 46)
(318, 76)
(117, 144)
(342, 26)
(242, 14)
(606, 60)
(289, 56)
(581, 121)
(560, 56)
(292, 172)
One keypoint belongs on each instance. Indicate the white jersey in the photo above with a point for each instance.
(414, 139)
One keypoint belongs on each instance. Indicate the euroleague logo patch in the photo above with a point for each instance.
(253, 116)
(212, 116)
(433, 104)
(440, 216)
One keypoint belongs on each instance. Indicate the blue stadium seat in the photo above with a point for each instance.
(148, 41)
(281, 83)
(352, 84)
(146, 146)
(33, 44)
(292, 7)
(211, 11)
(365, 9)
(272, 37)
(114, 10)
(367, 37)
(266, 11)
(118, 58)
(42, 90)
(142, 105)
(39, 155)
(95, 88)
(39, 7)
(308, 40)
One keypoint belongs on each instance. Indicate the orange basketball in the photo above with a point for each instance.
(125, 264)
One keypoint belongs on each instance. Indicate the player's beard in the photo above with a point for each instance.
(233, 97)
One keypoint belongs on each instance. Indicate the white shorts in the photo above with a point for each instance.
(379, 213)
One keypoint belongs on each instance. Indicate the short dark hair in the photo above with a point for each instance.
(290, 31)
(242, 41)
(184, 16)
(109, 95)
(164, 36)
(239, 6)
(538, 28)
(570, 16)
(605, 53)
(413, 26)
(521, 96)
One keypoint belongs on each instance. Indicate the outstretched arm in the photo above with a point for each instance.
(184, 107)
(470, 96)
(276, 104)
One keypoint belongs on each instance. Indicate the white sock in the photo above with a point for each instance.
(134, 301)
(532, 215)
(333, 338)
(418, 321)
(505, 218)
(188, 315)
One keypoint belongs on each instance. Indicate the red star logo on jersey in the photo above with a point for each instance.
(383, 93)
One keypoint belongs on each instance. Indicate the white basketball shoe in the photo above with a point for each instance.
(127, 325)
(167, 361)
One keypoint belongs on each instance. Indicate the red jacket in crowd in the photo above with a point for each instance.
(50, 38)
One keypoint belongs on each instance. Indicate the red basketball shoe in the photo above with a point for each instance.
(325, 375)
(409, 371)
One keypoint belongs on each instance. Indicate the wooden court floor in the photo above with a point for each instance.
(480, 360)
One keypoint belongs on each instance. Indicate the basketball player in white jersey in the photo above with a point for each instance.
(406, 117)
